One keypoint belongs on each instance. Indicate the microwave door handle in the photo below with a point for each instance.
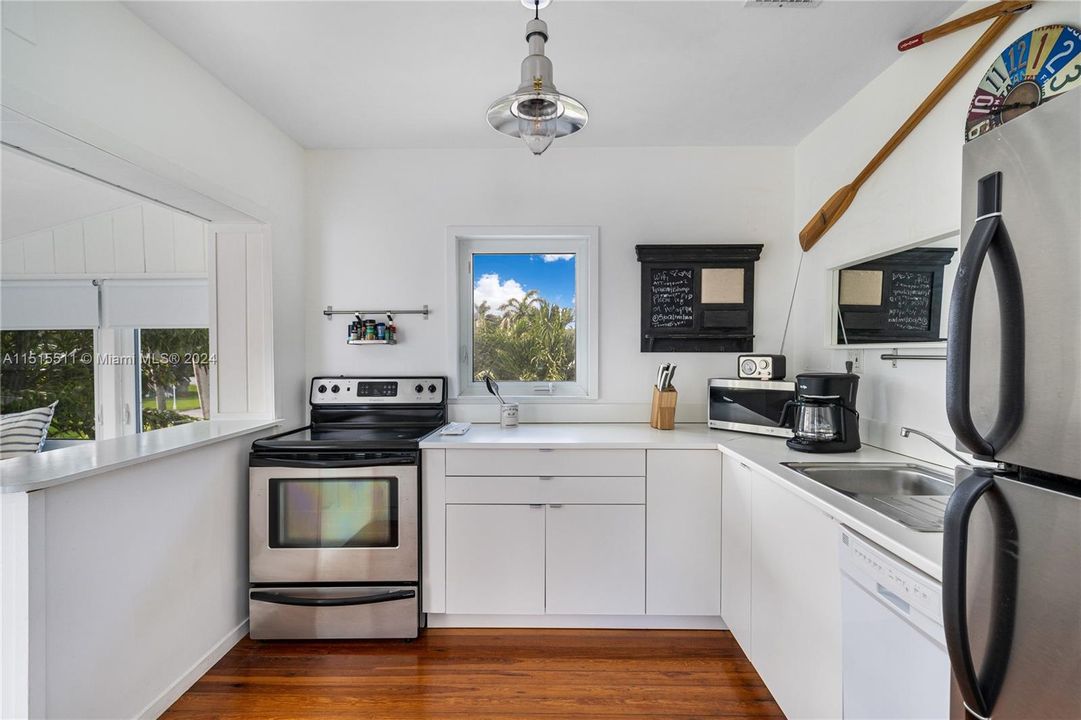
(279, 598)
(989, 239)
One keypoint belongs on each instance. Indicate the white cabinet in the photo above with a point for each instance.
(595, 559)
(495, 559)
(738, 482)
(683, 532)
(796, 594)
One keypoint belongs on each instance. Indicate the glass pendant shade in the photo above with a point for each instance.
(537, 134)
(537, 112)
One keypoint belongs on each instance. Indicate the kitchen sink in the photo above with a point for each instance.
(910, 494)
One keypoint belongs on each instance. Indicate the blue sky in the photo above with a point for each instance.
(496, 278)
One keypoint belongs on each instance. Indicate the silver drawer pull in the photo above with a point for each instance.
(544, 449)
(536, 506)
(545, 477)
(555, 506)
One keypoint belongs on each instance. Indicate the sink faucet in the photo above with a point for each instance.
(905, 431)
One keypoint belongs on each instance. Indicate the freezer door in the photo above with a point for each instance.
(1038, 156)
(1022, 601)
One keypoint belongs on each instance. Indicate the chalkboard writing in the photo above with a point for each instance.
(909, 302)
(671, 293)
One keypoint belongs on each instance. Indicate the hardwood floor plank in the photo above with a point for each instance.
(486, 674)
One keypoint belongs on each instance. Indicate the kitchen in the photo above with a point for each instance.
(338, 187)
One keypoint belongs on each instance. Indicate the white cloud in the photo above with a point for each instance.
(490, 290)
(557, 258)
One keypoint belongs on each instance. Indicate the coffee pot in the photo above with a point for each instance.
(823, 414)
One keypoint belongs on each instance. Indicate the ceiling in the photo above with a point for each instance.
(397, 74)
(37, 195)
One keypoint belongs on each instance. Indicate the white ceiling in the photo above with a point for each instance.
(421, 74)
(35, 195)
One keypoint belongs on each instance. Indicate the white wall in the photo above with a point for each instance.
(916, 194)
(392, 207)
(147, 569)
(144, 576)
(96, 71)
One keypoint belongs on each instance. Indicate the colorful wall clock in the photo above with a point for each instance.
(1035, 68)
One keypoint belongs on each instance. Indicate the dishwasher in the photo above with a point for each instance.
(893, 648)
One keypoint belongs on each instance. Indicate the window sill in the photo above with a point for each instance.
(64, 465)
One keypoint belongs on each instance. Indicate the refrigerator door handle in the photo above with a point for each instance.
(954, 590)
(989, 239)
(979, 690)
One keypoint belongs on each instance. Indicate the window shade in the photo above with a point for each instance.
(48, 305)
(155, 303)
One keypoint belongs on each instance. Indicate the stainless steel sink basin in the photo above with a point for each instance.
(910, 494)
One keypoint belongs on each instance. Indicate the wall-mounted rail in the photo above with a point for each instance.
(894, 356)
(330, 312)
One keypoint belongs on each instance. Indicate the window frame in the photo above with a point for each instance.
(463, 243)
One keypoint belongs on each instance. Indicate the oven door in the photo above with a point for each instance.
(340, 525)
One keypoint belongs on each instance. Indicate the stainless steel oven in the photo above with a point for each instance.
(334, 534)
(333, 525)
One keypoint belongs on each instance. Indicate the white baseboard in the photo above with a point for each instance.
(172, 693)
(636, 622)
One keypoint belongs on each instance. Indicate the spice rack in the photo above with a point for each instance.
(330, 312)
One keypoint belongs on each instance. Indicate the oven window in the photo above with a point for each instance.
(334, 513)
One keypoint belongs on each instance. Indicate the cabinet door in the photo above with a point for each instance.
(596, 560)
(495, 559)
(736, 479)
(683, 532)
(796, 587)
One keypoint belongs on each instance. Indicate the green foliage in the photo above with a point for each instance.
(157, 419)
(40, 366)
(529, 340)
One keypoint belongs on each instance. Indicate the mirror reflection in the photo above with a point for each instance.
(901, 297)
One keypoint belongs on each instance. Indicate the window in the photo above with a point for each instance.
(526, 301)
(174, 372)
(43, 366)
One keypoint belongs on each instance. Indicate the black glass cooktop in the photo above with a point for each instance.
(314, 439)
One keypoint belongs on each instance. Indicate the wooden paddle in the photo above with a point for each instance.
(835, 207)
(999, 8)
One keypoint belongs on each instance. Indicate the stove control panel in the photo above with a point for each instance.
(378, 390)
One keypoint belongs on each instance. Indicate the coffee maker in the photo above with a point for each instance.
(824, 417)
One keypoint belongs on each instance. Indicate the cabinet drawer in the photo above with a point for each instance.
(547, 489)
(547, 461)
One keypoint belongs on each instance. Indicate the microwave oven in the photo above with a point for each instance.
(754, 406)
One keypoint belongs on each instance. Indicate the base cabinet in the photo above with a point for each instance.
(595, 559)
(683, 535)
(737, 484)
(796, 601)
(495, 559)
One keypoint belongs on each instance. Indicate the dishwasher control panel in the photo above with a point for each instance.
(889, 577)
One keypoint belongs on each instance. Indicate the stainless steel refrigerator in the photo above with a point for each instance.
(1012, 542)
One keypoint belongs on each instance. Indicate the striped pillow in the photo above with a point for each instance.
(23, 433)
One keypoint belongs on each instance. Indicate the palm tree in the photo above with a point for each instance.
(515, 309)
(480, 312)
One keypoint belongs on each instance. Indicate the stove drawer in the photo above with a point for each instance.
(546, 461)
(298, 613)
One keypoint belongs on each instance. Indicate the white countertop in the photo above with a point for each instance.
(67, 464)
(761, 452)
(689, 436)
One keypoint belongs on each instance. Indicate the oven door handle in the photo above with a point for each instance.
(285, 599)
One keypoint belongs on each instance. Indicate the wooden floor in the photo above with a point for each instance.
(485, 674)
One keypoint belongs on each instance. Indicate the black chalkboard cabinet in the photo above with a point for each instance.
(698, 298)
(896, 298)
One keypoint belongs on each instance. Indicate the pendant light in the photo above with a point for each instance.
(536, 111)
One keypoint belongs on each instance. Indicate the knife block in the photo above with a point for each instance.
(662, 415)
